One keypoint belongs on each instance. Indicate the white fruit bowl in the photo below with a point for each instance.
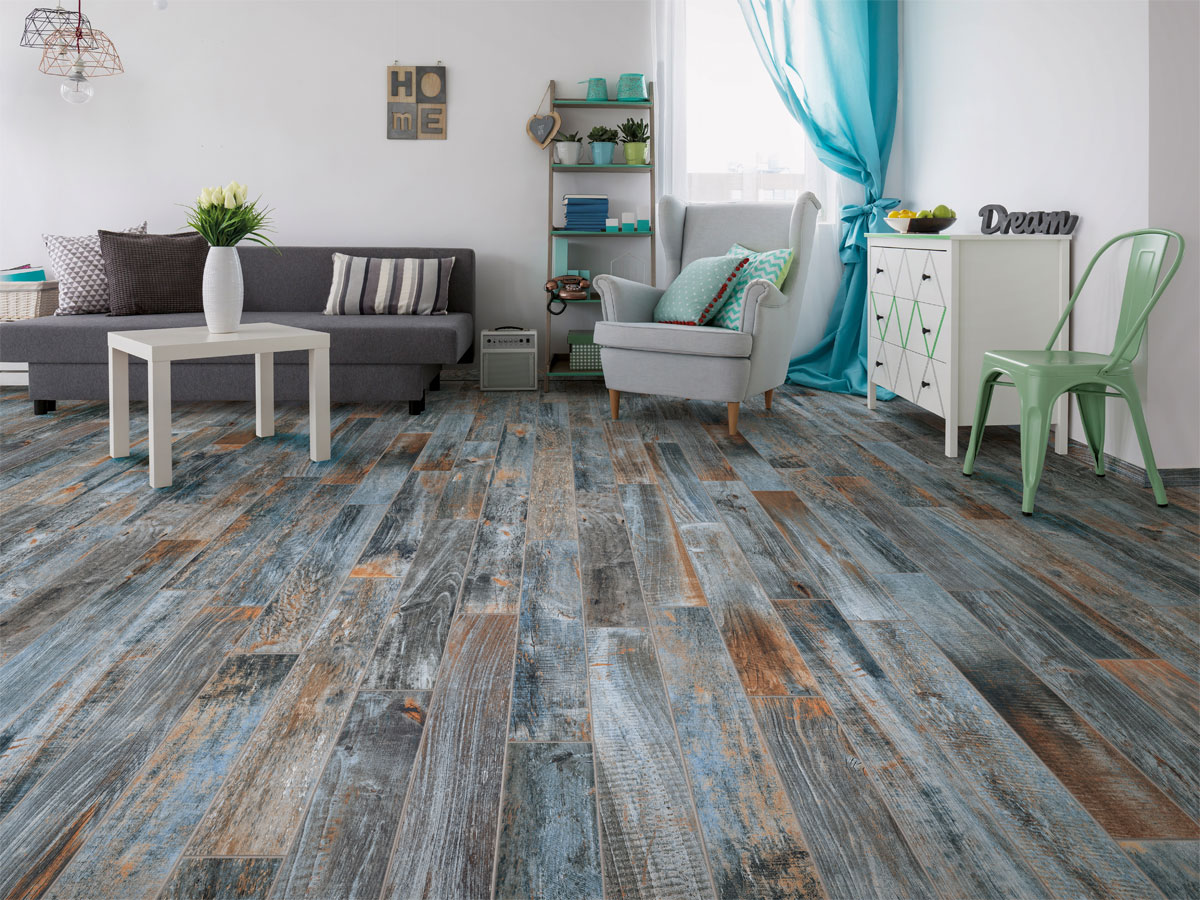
(900, 225)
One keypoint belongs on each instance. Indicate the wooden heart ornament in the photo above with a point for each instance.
(542, 129)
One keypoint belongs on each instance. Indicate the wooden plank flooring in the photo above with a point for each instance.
(509, 648)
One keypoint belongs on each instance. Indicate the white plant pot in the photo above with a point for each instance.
(567, 153)
(222, 290)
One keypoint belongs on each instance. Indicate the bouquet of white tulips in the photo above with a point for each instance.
(224, 218)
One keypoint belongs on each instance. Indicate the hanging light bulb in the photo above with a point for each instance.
(160, 4)
(75, 88)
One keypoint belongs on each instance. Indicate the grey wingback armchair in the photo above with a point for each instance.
(701, 362)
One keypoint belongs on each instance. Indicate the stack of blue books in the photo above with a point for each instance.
(585, 212)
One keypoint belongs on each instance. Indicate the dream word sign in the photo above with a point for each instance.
(416, 103)
(998, 220)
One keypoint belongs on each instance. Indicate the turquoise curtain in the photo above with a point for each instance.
(835, 65)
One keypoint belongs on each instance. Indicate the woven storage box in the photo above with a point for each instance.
(27, 299)
(585, 352)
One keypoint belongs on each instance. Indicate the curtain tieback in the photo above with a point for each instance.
(858, 220)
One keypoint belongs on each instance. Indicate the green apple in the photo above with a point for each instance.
(924, 214)
(942, 211)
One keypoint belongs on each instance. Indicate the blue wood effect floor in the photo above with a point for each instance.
(510, 648)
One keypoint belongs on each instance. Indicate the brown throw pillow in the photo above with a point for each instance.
(153, 273)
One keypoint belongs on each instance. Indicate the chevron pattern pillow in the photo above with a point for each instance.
(79, 266)
(772, 265)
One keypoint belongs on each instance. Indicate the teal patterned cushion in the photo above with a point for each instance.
(772, 265)
(700, 290)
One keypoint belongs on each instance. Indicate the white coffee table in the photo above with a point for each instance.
(159, 347)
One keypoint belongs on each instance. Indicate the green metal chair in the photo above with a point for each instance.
(1042, 376)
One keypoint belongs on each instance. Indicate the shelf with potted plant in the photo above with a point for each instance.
(629, 151)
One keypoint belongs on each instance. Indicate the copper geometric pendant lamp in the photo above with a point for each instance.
(93, 51)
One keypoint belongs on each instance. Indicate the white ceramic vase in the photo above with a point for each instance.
(222, 290)
(567, 152)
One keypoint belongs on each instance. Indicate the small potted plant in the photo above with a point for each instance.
(224, 218)
(634, 136)
(566, 148)
(604, 142)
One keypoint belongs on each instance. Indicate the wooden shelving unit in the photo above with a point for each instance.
(558, 365)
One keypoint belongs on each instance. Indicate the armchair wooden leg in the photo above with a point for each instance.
(614, 403)
(733, 418)
(768, 397)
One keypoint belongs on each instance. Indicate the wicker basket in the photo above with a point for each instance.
(27, 299)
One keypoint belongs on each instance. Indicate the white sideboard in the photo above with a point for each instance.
(936, 302)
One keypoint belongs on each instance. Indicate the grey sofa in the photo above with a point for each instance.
(642, 356)
(372, 358)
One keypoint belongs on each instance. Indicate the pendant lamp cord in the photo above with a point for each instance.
(78, 26)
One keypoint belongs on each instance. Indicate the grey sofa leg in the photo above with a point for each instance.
(436, 384)
(416, 407)
(41, 407)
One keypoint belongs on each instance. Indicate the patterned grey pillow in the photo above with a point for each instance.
(82, 284)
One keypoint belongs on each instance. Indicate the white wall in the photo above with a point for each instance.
(1044, 104)
(1173, 407)
(288, 97)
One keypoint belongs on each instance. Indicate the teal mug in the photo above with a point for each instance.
(632, 86)
(597, 89)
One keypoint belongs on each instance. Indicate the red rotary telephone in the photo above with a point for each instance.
(566, 287)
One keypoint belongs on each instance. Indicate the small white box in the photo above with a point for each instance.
(508, 360)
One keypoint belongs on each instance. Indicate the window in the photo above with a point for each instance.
(741, 142)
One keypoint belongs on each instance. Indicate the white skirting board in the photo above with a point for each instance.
(14, 374)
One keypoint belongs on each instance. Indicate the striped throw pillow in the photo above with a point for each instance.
(364, 286)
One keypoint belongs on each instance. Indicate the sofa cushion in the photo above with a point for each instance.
(377, 340)
(298, 278)
(685, 339)
(153, 273)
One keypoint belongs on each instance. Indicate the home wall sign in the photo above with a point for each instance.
(998, 220)
(416, 104)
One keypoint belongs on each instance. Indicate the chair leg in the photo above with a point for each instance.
(987, 384)
(1091, 411)
(768, 397)
(614, 404)
(1129, 390)
(733, 418)
(1036, 410)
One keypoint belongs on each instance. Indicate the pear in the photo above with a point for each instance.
(942, 211)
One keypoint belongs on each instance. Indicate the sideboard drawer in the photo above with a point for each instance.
(931, 275)
(931, 331)
(930, 382)
(885, 361)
